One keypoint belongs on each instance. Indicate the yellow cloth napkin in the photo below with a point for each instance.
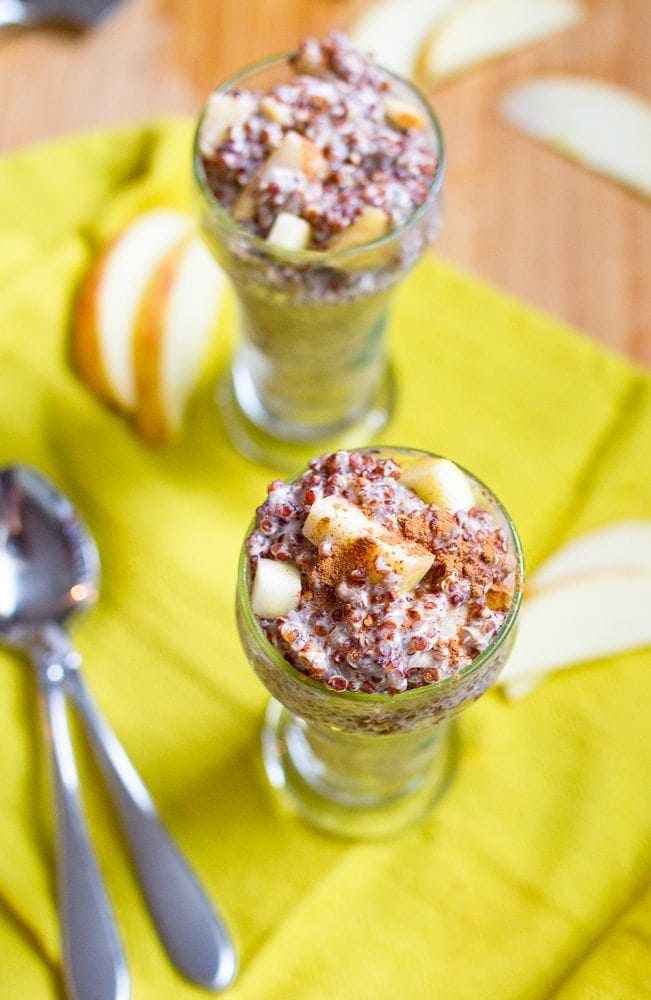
(528, 880)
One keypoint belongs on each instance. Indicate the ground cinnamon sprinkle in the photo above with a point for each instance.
(417, 528)
(461, 558)
(344, 559)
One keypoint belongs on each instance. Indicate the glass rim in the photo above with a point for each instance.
(411, 694)
(324, 258)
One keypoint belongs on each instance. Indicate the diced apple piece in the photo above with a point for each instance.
(441, 482)
(586, 618)
(276, 588)
(290, 232)
(338, 520)
(403, 114)
(476, 31)
(275, 110)
(298, 153)
(603, 127)
(109, 300)
(222, 112)
(244, 206)
(623, 545)
(294, 153)
(173, 329)
(309, 60)
(393, 31)
(370, 225)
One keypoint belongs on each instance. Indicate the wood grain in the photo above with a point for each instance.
(515, 213)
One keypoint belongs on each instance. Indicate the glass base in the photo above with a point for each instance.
(357, 788)
(283, 448)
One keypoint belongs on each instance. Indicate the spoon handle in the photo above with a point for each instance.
(94, 964)
(187, 923)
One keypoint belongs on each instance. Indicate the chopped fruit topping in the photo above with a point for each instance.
(290, 232)
(244, 207)
(294, 154)
(222, 112)
(370, 225)
(402, 114)
(339, 521)
(298, 153)
(275, 111)
(276, 588)
(439, 481)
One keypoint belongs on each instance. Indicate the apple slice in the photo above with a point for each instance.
(604, 127)
(439, 481)
(222, 112)
(276, 588)
(393, 31)
(109, 300)
(585, 618)
(370, 225)
(624, 545)
(290, 232)
(172, 332)
(336, 519)
(476, 31)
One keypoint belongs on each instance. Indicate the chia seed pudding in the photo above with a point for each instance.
(319, 175)
(377, 572)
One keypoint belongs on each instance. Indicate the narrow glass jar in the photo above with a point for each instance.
(367, 765)
(310, 370)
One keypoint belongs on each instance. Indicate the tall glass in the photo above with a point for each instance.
(367, 765)
(310, 370)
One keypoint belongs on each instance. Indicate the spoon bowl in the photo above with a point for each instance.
(49, 564)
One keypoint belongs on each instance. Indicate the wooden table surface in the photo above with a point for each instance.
(515, 213)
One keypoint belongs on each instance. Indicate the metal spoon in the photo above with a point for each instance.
(74, 14)
(49, 568)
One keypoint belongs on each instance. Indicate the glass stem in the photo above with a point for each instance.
(365, 769)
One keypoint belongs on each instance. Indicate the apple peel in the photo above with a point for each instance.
(584, 618)
(601, 126)
(477, 31)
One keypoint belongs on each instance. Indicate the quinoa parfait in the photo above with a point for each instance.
(319, 176)
(328, 160)
(377, 572)
(378, 595)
